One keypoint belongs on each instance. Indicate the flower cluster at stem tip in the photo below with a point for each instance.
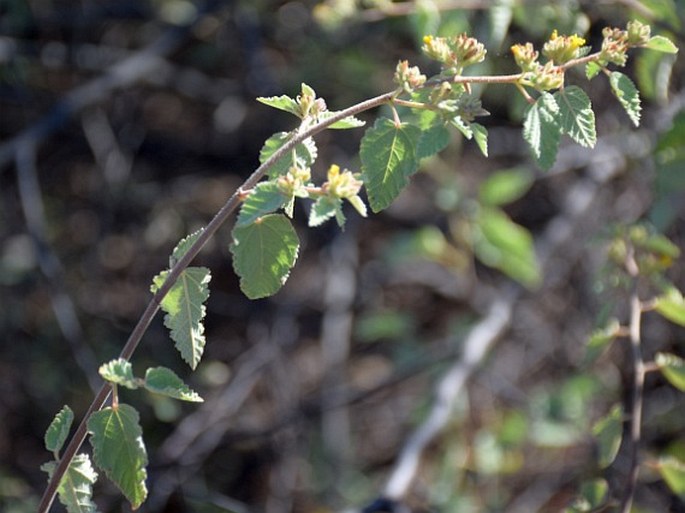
(562, 49)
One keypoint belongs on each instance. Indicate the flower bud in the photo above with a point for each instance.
(638, 33)
(408, 78)
(455, 52)
(342, 185)
(526, 57)
(561, 49)
(614, 46)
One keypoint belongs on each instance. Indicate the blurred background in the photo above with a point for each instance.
(125, 125)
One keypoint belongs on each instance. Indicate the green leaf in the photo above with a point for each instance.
(75, 490)
(303, 155)
(182, 247)
(462, 126)
(593, 494)
(480, 134)
(672, 471)
(671, 305)
(282, 102)
(657, 244)
(433, 140)
(608, 431)
(627, 94)
(388, 155)
(592, 69)
(119, 451)
(673, 369)
(504, 187)
(308, 90)
(263, 254)
(161, 380)
(599, 339)
(541, 129)
(323, 209)
(264, 199)
(507, 246)
(185, 309)
(661, 44)
(576, 116)
(343, 124)
(120, 372)
(58, 430)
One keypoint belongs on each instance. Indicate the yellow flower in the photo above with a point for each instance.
(576, 41)
(562, 49)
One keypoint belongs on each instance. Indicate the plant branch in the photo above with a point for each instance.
(638, 385)
(153, 306)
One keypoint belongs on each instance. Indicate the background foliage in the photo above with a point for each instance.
(310, 395)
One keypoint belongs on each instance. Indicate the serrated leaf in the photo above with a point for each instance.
(673, 369)
(627, 94)
(507, 246)
(161, 380)
(592, 69)
(661, 44)
(185, 309)
(120, 372)
(504, 187)
(58, 430)
(119, 451)
(671, 305)
(433, 140)
(264, 199)
(182, 247)
(480, 135)
(608, 432)
(462, 126)
(600, 339)
(282, 102)
(576, 116)
(263, 254)
(75, 490)
(343, 124)
(672, 471)
(388, 155)
(303, 155)
(541, 129)
(323, 209)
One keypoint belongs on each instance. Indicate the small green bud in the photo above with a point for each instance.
(408, 78)
(638, 33)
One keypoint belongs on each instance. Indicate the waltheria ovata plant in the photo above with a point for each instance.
(265, 245)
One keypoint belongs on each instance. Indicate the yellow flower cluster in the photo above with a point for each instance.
(561, 49)
(454, 52)
(344, 185)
